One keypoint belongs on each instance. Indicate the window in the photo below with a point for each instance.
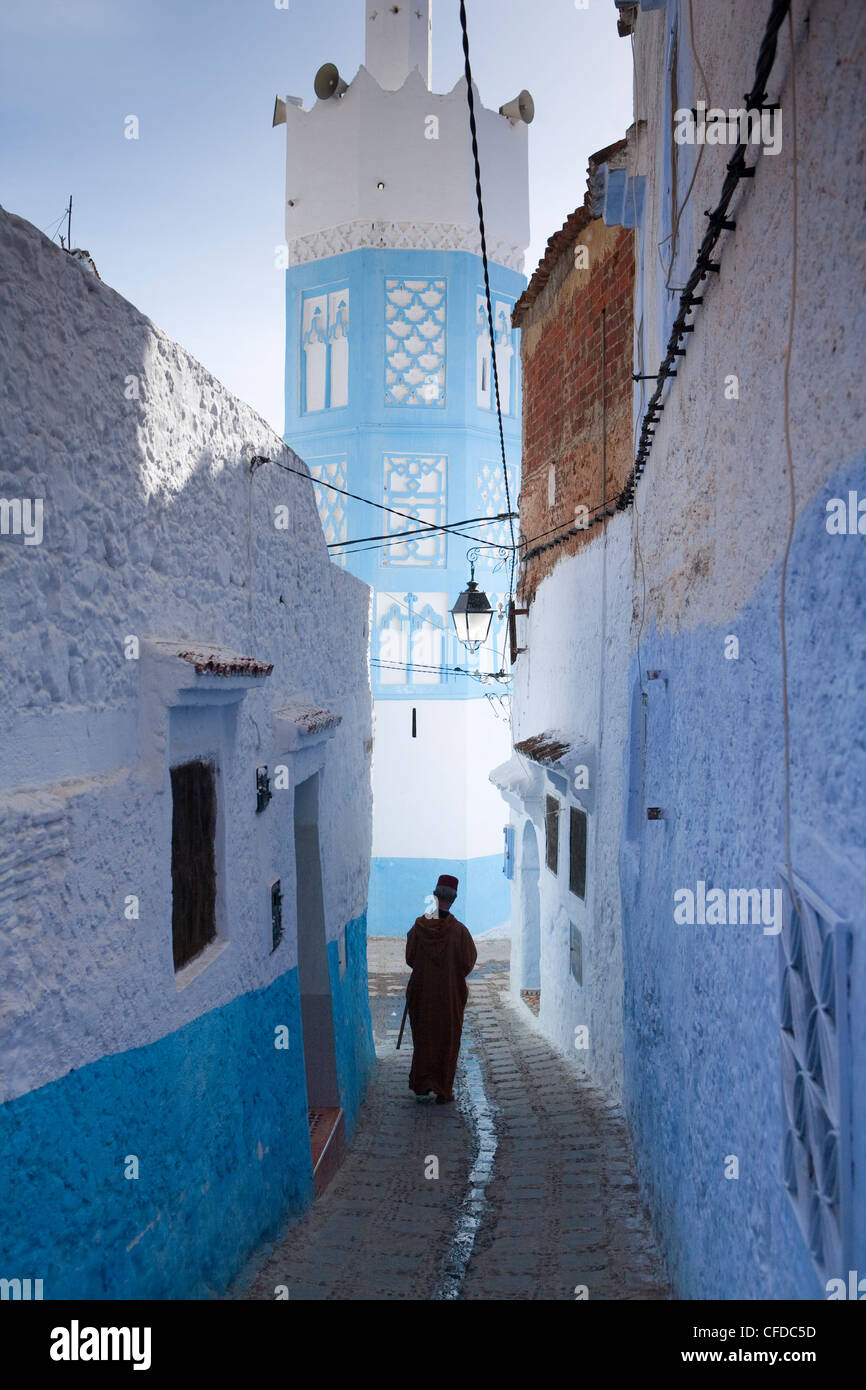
(508, 865)
(325, 349)
(330, 501)
(551, 832)
(415, 321)
(276, 914)
(577, 852)
(506, 355)
(193, 862)
(412, 638)
(576, 953)
(416, 486)
(816, 1076)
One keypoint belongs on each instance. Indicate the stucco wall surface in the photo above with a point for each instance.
(155, 527)
(702, 1002)
(216, 1117)
(572, 678)
(712, 519)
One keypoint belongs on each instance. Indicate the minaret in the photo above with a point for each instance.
(398, 40)
(389, 395)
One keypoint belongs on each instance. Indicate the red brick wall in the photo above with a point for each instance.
(561, 350)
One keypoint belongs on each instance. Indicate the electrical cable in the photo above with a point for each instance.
(381, 506)
(402, 535)
(674, 236)
(387, 593)
(474, 132)
(482, 676)
(56, 226)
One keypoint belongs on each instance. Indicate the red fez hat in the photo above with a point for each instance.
(447, 884)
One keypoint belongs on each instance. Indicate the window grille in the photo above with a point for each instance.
(551, 831)
(577, 852)
(817, 1163)
(193, 869)
(263, 789)
(576, 953)
(276, 914)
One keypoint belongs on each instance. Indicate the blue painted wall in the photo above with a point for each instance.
(366, 428)
(399, 889)
(361, 432)
(353, 1029)
(194, 1108)
(702, 1020)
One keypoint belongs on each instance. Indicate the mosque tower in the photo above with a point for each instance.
(389, 395)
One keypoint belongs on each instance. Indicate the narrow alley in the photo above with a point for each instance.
(535, 1197)
(432, 525)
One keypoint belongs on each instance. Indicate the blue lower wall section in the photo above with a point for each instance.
(702, 1012)
(217, 1117)
(353, 1030)
(399, 888)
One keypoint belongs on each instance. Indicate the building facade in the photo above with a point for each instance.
(698, 658)
(185, 807)
(389, 395)
(575, 321)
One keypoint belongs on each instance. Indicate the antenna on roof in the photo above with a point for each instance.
(67, 244)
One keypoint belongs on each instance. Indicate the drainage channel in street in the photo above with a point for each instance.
(474, 1105)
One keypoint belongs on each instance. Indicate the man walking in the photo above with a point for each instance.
(441, 953)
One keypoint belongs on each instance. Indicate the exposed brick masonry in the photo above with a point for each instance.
(561, 349)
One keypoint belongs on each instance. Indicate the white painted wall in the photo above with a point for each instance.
(573, 678)
(339, 151)
(421, 790)
(153, 527)
(398, 40)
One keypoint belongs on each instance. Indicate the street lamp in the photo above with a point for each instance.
(472, 614)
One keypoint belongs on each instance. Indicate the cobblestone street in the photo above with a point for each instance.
(536, 1193)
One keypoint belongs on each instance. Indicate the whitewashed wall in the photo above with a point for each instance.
(572, 678)
(155, 528)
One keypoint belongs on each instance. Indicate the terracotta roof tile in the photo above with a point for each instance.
(546, 748)
(218, 662)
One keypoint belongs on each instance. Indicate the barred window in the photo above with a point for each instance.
(193, 867)
(576, 953)
(577, 853)
(551, 830)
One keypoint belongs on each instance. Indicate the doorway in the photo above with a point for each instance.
(530, 920)
(317, 1017)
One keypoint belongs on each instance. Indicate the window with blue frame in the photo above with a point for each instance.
(508, 859)
(324, 355)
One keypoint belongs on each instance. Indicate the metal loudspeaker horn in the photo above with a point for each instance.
(522, 108)
(328, 82)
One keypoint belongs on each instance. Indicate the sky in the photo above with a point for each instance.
(185, 220)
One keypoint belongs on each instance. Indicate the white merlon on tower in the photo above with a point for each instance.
(373, 167)
(398, 40)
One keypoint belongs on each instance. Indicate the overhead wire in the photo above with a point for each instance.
(389, 594)
(674, 235)
(474, 133)
(55, 225)
(390, 536)
(381, 506)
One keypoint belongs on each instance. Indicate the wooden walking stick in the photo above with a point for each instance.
(403, 1025)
